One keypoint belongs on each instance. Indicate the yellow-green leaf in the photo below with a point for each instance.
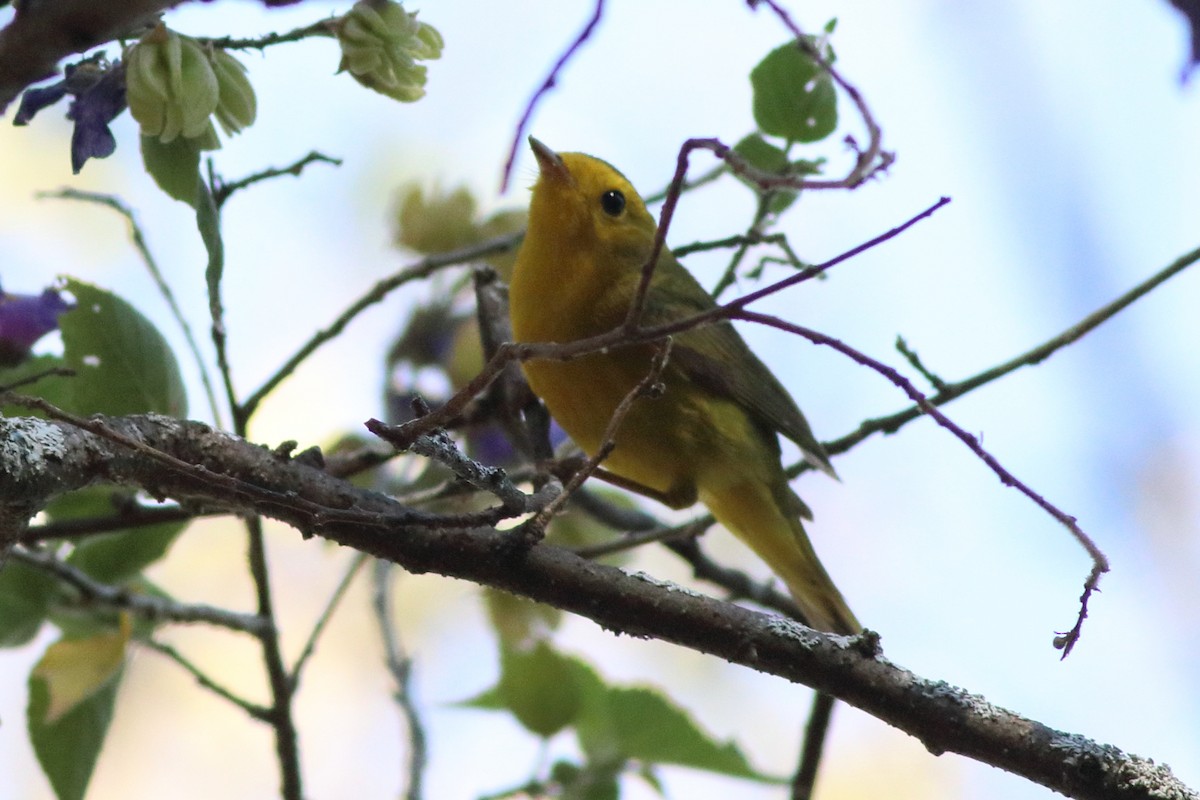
(75, 669)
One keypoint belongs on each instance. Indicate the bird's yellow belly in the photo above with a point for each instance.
(656, 444)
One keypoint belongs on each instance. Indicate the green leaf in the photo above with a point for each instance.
(175, 167)
(763, 155)
(539, 688)
(490, 699)
(123, 364)
(25, 597)
(68, 747)
(55, 389)
(590, 782)
(544, 689)
(519, 621)
(75, 669)
(794, 98)
(651, 728)
(117, 557)
(208, 222)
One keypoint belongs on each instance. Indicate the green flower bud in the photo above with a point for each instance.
(381, 43)
(170, 86)
(237, 106)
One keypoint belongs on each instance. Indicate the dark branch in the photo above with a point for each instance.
(944, 718)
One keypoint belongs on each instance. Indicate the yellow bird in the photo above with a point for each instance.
(712, 434)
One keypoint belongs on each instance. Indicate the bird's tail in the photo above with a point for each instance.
(768, 521)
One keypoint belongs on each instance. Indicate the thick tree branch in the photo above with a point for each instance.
(944, 718)
(43, 33)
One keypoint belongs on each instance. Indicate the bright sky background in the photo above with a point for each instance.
(1068, 145)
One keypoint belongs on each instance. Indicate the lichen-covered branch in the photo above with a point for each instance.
(242, 476)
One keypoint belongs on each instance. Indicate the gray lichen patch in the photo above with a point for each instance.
(28, 446)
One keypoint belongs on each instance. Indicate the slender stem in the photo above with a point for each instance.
(253, 709)
(546, 86)
(280, 713)
(815, 734)
(335, 600)
(1036, 355)
(400, 666)
(322, 27)
(418, 271)
(223, 191)
(145, 606)
(1066, 641)
(139, 242)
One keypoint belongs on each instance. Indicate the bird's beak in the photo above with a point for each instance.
(550, 163)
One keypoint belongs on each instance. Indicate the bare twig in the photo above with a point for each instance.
(139, 242)
(1066, 641)
(649, 386)
(400, 666)
(418, 271)
(335, 599)
(256, 711)
(623, 335)
(814, 743)
(546, 86)
(287, 746)
(1036, 355)
(149, 607)
(222, 190)
(129, 517)
(324, 27)
(438, 445)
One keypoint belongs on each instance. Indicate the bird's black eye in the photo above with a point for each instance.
(613, 202)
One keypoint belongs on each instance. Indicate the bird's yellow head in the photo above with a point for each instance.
(586, 205)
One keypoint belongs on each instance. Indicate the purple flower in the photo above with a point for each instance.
(25, 318)
(97, 89)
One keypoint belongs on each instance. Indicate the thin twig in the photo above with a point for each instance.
(815, 733)
(636, 539)
(695, 183)
(1100, 562)
(146, 606)
(1031, 357)
(335, 599)
(418, 271)
(623, 335)
(438, 446)
(29, 380)
(649, 386)
(253, 709)
(324, 27)
(139, 242)
(400, 666)
(546, 86)
(134, 516)
(914, 360)
(222, 190)
(752, 232)
(287, 747)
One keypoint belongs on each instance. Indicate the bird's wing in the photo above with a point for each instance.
(704, 355)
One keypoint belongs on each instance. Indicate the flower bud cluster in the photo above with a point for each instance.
(175, 85)
(381, 43)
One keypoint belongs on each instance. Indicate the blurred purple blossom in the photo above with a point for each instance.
(25, 318)
(97, 89)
